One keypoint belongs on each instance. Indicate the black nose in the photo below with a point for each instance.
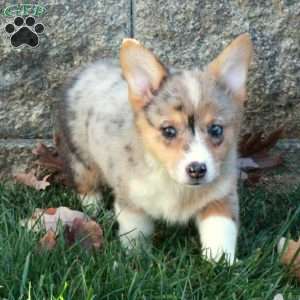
(196, 170)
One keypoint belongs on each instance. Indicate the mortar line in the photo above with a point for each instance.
(131, 17)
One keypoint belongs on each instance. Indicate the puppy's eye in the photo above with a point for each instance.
(215, 131)
(169, 132)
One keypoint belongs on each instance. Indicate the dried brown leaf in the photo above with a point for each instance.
(265, 161)
(48, 157)
(270, 141)
(31, 180)
(88, 233)
(251, 144)
(49, 218)
(247, 163)
(48, 241)
(254, 154)
(260, 162)
(51, 160)
(253, 178)
(77, 227)
(291, 255)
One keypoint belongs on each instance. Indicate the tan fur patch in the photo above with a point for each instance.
(208, 114)
(88, 180)
(142, 70)
(218, 208)
(153, 140)
(167, 152)
(130, 206)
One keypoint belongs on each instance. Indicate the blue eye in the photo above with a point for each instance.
(215, 131)
(169, 132)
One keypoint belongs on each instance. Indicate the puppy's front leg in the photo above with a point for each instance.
(218, 229)
(134, 225)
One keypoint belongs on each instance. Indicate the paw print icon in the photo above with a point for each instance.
(24, 32)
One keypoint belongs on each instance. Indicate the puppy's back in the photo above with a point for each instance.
(95, 102)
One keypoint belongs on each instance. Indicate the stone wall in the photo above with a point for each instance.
(183, 33)
(191, 33)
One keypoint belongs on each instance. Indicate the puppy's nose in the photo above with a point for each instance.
(196, 170)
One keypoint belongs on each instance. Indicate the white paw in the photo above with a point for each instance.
(218, 237)
(130, 242)
(215, 256)
(134, 227)
(92, 203)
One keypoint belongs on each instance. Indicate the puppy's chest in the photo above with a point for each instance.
(160, 197)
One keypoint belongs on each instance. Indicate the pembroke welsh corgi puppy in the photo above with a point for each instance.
(165, 141)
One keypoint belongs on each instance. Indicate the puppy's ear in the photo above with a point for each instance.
(230, 68)
(143, 72)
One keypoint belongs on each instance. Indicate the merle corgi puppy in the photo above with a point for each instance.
(165, 142)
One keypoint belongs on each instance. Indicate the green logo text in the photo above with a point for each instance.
(24, 10)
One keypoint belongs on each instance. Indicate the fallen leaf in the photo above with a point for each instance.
(51, 211)
(89, 233)
(247, 163)
(254, 154)
(253, 178)
(247, 145)
(77, 227)
(31, 180)
(48, 241)
(265, 161)
(48, 219)
(51, 159)
(259, 162)
(48, 157)
(290, 254)
(258, 142)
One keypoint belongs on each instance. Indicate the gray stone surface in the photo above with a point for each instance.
(16, 155)
(76, 32)
(191, 33)
(183, 33)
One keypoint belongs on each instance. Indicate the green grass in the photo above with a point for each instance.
(171, 269)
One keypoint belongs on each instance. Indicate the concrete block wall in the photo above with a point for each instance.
(182, 33)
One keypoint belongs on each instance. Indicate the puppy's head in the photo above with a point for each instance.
(189, 120)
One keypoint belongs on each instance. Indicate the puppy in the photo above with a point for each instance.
(166, 142)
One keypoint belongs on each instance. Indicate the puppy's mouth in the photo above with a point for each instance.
(198, 182)
(195, 183)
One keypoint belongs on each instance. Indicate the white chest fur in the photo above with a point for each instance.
(156, 194)
(160, 197)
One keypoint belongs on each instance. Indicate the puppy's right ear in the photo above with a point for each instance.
(231, 66)
(142, 71)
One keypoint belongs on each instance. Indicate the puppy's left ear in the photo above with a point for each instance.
(230, 68)
(143, 72)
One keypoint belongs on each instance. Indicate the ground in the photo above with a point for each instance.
(171, 269)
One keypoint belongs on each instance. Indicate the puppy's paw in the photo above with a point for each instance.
(92, 203)
(218, 237)
(216, 255)
(136, 244)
